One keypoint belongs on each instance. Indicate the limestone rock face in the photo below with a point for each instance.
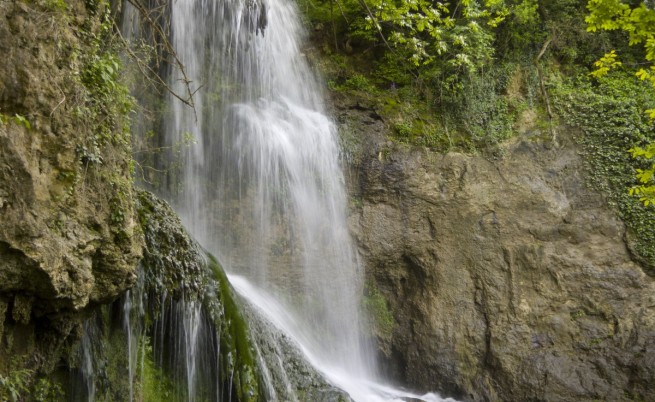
(67, 232)
(508, 279)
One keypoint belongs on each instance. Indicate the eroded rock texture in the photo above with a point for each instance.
(68, 236)
(508, 278)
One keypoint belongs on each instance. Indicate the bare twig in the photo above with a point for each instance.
(153, 149)
(58, 104)
(544, 93)
(169, 50)
(150, 74)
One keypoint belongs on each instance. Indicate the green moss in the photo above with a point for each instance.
(577, 314)
(155, 385)
(54, 6)
(236, 347)
(377, 308)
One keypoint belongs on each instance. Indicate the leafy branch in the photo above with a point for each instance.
(639, 23)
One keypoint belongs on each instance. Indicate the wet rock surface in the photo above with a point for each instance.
(288, 374)
(254, 354)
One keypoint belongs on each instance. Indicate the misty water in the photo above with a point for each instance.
(261, 185)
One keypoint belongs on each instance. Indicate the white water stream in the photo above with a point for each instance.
(262, 187)
(360, 388)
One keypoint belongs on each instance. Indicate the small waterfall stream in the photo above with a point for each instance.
(262, 188)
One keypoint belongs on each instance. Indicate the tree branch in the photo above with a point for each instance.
(542, 86)
(169, 50)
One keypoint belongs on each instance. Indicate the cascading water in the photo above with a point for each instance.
(262, 188)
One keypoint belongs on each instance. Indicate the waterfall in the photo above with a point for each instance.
(261, 187)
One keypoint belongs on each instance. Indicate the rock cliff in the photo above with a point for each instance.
(68, 236)
(508, 278)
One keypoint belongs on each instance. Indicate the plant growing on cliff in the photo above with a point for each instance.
(442, 71)
(108, 102)
(610, 114)
(155, 384)
(646, 189)
(638, 21)
(15, 384)
(377, 308)
(47, 391)
(17, 119)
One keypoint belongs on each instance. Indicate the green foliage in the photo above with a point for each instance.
(454, 36)
(17, 119)
(101, 73)
(610, 113)
(436, 45)
(439, 72)
(606, 63)
(646, 188)
(526, 12)
(482, 107)
(87, 156)
(19, 385)
(109, 101)
(359, 82)
(403, 129)
(422, 40)
(15, 385)
(638, 21)
(104, 107)
(47, 391)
